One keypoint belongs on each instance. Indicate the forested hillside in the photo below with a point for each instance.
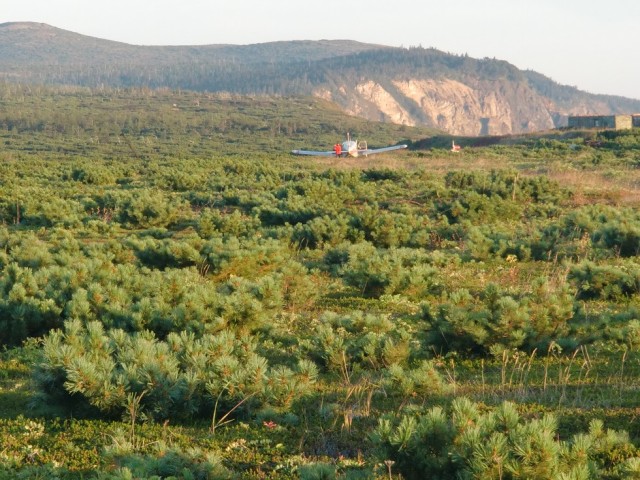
(411, 86)
(146, 123)
(181, 299)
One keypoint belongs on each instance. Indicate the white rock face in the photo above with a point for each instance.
(495, 108)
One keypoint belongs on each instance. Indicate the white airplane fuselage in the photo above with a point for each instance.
(350, 148)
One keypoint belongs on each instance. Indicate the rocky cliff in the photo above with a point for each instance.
(480, 107)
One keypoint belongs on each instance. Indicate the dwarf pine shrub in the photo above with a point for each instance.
(166, 462)
(317, 471)
(478, 323)
(150, 208)
(180, 377)
(608, 282)
(375, 272)
(364, 341)
(468, 442)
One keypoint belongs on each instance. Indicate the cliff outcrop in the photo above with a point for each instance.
(481, 107)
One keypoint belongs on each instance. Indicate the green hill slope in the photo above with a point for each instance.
(414, 86)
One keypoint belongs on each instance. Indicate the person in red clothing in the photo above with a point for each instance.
(338, 149)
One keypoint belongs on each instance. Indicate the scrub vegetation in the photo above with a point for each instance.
(181, 298)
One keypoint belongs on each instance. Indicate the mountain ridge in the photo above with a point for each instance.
(411, 86)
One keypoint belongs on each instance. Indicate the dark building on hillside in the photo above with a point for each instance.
(615, 122)
(635, 120)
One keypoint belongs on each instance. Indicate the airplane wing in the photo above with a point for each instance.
(373, 151)
(362, 151)
(329, 153)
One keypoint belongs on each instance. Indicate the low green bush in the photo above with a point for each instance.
(138, 375)
(469, 441)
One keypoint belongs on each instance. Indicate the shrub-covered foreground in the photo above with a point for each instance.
(208, 316)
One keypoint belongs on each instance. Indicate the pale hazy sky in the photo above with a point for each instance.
(591, 44)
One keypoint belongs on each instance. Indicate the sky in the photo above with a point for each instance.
(588, 44)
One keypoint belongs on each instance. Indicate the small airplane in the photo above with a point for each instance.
(349, 148)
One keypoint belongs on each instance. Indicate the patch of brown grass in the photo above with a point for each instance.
(597, 187)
